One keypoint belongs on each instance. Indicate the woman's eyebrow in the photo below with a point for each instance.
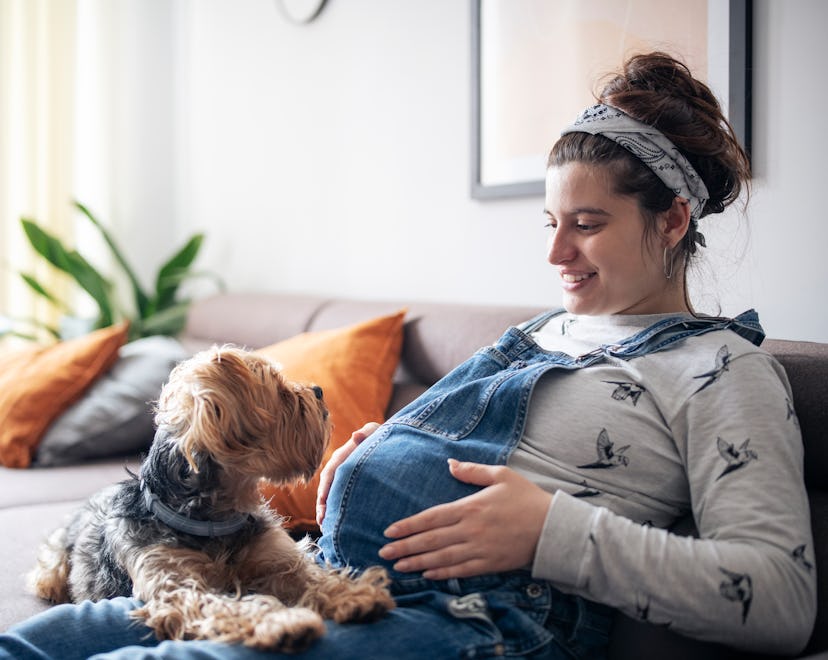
(590, 210)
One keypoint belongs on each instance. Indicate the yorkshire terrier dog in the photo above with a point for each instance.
(191, 536)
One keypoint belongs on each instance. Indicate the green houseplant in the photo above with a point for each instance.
(160, 311)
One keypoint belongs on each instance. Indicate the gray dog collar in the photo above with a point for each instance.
(185, 524)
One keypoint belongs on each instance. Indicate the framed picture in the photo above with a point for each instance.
(537, 63)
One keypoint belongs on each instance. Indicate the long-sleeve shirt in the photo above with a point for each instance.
(630, 448)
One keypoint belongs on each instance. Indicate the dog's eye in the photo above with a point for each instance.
(317, 391)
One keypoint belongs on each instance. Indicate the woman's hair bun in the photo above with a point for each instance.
(658, 90)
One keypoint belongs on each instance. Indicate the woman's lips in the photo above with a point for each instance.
(575, 281)
(575, 278)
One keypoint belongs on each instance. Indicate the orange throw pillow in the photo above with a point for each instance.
(355, 367)
(38, 384)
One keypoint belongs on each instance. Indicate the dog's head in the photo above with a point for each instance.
(236, 409)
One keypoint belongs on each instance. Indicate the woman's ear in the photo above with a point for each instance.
(674, 222)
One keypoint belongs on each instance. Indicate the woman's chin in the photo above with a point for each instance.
(579, 306)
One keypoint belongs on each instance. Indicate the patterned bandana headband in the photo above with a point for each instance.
(653, 149)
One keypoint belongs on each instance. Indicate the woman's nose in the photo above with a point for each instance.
(559, 248)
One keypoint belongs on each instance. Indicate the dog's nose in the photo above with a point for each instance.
(317, 391)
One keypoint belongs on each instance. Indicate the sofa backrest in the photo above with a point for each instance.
(806, 364)
(438, 336)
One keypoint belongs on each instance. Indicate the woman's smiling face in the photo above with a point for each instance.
(597, 242)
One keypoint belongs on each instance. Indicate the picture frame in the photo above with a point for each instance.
(519, 46)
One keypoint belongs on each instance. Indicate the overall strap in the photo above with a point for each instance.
(668, 332)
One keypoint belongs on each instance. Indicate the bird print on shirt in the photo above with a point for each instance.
(738, 588)
(642, 610)
(791, 413)
(626, 390)
(608, 456)
(586, 490)
(798, 555)
(722, 364)
(735, 458)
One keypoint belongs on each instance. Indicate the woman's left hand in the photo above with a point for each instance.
(494, 530)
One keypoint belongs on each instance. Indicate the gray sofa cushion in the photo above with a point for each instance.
(114, 416)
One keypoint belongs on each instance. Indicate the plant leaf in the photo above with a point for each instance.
(174, 271)
(141, 298)
(10, 323)
(169, 321)
(95, 285)
(46, 245)
(179, 277)
(38, 288)
(17, 333)
(71, 262)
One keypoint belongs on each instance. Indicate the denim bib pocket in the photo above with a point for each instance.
(455, 413)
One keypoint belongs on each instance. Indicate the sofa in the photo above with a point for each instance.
(436, 337)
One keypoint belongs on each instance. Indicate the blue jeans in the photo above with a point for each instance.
(489, 616)
(476, 413)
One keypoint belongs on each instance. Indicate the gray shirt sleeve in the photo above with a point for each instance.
(748, 580)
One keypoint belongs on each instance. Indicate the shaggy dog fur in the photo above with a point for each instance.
(226, 419)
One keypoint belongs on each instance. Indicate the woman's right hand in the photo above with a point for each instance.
(337, 458)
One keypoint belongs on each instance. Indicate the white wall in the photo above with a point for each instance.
(125, 121)
(786, 270)
(334, 158)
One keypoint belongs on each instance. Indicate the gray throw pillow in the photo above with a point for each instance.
(114, 416)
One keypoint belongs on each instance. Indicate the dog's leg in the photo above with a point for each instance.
(187, 596)
(50, 577)
(344, 596)
(277, 565)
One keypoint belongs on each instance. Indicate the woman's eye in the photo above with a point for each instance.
(580, 226)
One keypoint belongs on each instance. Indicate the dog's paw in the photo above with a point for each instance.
(367, 599)
(362, 611)
(49, 579)
(289, 630)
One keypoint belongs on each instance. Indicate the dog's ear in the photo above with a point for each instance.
(208, 429)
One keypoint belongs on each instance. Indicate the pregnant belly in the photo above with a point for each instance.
(397, 472)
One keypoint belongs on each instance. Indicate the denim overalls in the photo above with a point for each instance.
(476, 413)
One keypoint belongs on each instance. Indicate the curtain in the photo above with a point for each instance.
(37, 147)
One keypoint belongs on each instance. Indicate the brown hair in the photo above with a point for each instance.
(658, 90)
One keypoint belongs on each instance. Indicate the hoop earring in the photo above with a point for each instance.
(668, 263)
